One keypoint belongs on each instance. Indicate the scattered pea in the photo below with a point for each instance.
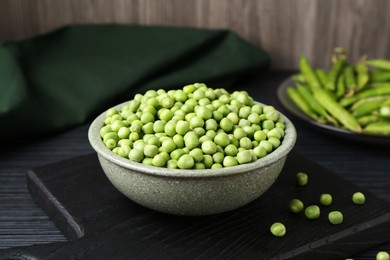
(358, 198)
(312, 212)
(382, 255)
(278, 229)
(296, 205)
(326, 199)
(302, 178)
(335, 217)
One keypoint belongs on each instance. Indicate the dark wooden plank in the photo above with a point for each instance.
(118, 228)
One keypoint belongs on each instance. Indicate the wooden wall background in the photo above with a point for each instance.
(284, 28)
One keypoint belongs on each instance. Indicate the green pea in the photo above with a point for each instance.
(226, 124)
(168, 145)
(302, 179)
(229, 161)
(110, 143)
(178, 140)
(147, 161)
(159, 160)
(231, 150)
(382, 255)
(246, 143)
(358, 198)
(326, 199)
(335, 217)
(260, 136)
(185, 162)
(266, 145)
(244, 112)
(207, 161)
(209, 147)
(105, 129)
(239, 133)
(196, 121)
(150, 150)
(197, 154)
(260, 152)
(191, 140)
(222, 139)
(136, 155)
(244, 157)
(278, 229)
(312, 212)
(218, 157)
(216, 166)
(274, 141)
(268, 124)
(296, 205)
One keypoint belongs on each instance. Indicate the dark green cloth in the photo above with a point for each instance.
(66, 77)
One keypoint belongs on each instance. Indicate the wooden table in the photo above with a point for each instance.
(23, 223)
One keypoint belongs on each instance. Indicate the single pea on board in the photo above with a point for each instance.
(302, 179)
(358, 198)
(278, 229)
(195, 127)
(382, 256)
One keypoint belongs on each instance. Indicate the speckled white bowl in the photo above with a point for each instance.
(191, 192)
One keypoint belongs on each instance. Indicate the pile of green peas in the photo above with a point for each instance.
(195, 127)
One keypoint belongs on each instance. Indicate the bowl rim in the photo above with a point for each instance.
(94, 138)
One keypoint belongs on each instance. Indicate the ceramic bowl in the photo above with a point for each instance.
(191, 192)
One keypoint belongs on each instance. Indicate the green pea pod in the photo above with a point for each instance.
(366, 108)
(313, 104)
(378, 128)
(382, 99)
(379, 64)
(309, 74)
(365, 120)
(334, 73)
(337, 111)
(340, 88)
(350, 80)
(299, 78)
(362, 74)
(365, 93)
(380, 84)
(301, 103)
(321, 75)
(378, 76)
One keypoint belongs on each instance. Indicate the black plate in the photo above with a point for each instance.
(290, 106)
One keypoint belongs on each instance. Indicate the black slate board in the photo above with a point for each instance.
(103, 224)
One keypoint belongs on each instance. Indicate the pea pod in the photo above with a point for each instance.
(322, 77)
(337, 111)
(350, 80)
(299, 78)
(369, 99)
(309, 74)
(362, 74)
(379, 76)
(313, 103)
(365, 120)
(301, 103)
(334, 73)
(379, 64)
(340, 89)
(379, 128)
(366, 108)
(380, 84)
(385, 90)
